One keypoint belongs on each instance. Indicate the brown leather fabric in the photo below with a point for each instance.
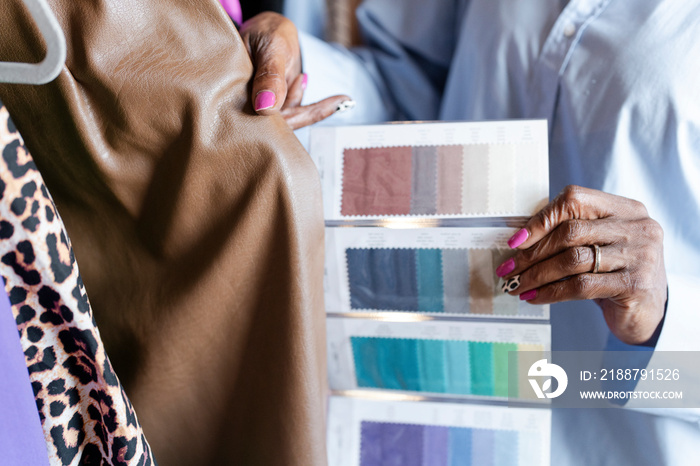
(196, 224)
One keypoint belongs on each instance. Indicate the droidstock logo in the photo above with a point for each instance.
(542, 368)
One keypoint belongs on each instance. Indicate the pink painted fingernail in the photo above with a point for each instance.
(528, 295)
(505, 268)
(518, 238)
(304, 82)
(264, 99)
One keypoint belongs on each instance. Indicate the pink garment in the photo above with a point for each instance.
(233, 8)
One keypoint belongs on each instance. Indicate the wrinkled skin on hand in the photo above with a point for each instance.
(557, 259)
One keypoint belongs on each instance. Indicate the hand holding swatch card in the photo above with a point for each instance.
(418, 217)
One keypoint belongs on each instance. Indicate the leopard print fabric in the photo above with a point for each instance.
(85, 413)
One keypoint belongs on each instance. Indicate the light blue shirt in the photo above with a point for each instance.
(619, 83)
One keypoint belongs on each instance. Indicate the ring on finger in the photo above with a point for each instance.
(596, 263)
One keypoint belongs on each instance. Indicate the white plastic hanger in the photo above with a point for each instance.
(49, 68)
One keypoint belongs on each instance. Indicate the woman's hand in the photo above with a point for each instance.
(279, 84)
(556, 259)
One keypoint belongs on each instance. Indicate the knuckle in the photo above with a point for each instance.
(571, 194)
(639, 208)
(652, 230)
(571, 231)
(579, 257)
(545, 218)
(581, 285)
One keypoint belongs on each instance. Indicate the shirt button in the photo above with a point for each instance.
(569, 30)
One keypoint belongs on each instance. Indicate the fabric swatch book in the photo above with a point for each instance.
(421, 338)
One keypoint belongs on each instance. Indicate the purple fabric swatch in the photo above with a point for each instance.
(21, 436)
(386, 444)
(436, 446)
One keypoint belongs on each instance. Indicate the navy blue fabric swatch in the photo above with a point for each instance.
(383, 279)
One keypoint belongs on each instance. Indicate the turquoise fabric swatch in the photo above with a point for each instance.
(458, 365)
(431, 360)
(434, 366)
(481, 359)
(429, 277)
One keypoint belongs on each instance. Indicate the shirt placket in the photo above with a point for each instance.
(557, 52)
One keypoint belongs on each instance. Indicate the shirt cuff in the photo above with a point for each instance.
(681, 324)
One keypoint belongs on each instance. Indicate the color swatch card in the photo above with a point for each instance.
(437, 271)
(432, 170)
(436, 358)
(365, 432)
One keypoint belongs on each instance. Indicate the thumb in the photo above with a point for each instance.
(269, 84)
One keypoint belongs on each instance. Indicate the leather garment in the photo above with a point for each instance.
(196, 223)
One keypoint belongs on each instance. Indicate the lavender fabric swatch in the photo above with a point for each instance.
(385, 444)
(396, 444)
(483, 447)
(21, 436)
(436, 446)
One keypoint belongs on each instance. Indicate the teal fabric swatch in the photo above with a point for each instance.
(461, 447)
(481, 359)
(365, 353)
(429, 277)
(434, 366)
(431, 360)
(458, 364)
(390, 363)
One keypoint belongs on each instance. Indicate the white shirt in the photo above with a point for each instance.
(619, 83)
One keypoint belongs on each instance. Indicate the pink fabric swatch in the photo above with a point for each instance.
(449, 179)
(377, 181)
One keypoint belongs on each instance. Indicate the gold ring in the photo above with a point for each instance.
(596, 264)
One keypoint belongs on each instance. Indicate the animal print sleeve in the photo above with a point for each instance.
(85, 413)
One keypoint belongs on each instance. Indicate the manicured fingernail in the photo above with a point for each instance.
(304, 81)
(345, 105)
(528, 295)
(511, 285)
(506, 268)
(264, 99)
(519, 238)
